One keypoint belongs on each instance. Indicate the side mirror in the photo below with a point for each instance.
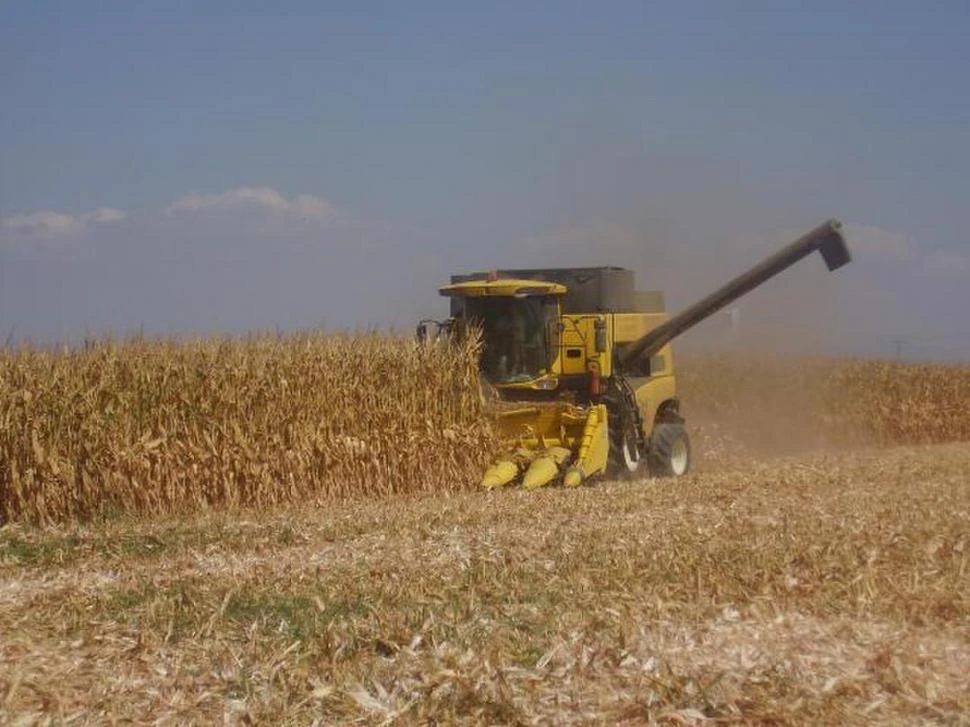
(429, 330)
(432, 331)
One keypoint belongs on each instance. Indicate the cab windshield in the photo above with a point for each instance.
(516, 335)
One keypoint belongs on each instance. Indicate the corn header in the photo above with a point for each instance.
(582, 363)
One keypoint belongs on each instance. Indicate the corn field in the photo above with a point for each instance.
(778, 405)
(158, 427)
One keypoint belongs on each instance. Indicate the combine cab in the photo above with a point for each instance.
(583, 367)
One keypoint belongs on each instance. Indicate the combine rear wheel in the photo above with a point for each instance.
(669, 450)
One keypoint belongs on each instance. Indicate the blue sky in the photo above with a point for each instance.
(226, 166)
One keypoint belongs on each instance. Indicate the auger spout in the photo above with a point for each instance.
(826, 238)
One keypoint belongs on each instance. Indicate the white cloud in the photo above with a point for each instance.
(310, 207)
(104, 214)
(267, 199)
(48, 224)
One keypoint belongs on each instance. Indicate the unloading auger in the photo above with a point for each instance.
(583, 366)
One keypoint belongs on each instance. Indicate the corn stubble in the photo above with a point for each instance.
(818, 589)
(159, 427)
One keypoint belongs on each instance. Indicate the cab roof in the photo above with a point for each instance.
(502, 287)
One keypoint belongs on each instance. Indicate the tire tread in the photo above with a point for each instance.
(662, 440)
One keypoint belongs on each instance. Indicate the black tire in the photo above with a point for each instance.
(624, 461)
(670, 454)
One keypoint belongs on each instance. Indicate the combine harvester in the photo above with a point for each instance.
(582, 363)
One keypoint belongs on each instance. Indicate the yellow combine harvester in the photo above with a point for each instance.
(583, 367)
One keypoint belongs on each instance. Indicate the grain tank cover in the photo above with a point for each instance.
(588, 290)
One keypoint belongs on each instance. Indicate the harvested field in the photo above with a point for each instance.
(821, 588)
